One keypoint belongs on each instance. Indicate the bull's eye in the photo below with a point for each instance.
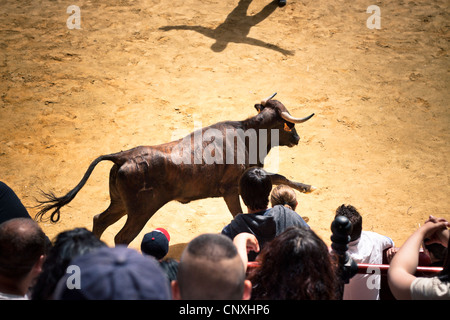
(286, 127)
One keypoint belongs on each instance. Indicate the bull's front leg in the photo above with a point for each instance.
(233, 203)
(279, 179)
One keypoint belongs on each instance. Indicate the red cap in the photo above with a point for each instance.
(164, 231)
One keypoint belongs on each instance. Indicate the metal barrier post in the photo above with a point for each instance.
(340, 228)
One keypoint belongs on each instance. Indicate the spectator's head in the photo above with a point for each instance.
(254, 187)
(354, 217)
(67, 245)
(296, 265)
(444, 275)
(436, 252)
(211, 268)
(156, 243)
(22, 250)
(118, 273)
(283, 195)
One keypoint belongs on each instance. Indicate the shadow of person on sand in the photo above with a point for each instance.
(175, 250)
(236, 28)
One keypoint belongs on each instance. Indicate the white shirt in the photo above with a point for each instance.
(430, 289)
(367, 249)
(8, 296)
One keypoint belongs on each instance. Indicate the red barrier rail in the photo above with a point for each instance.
(363, 268)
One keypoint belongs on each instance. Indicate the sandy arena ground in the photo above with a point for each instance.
(147, 72)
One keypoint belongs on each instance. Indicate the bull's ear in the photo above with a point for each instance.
(259, 107)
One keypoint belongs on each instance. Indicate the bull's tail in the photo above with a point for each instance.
(56, 203)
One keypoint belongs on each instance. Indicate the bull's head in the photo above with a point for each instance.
(281, 120)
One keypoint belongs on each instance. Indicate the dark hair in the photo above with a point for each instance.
(68, 245)
(295, 265)
(438, 251)
(22, 243)
(444, 275)
(255, 186)
(354, 217)
(210, 268)
(212, 246)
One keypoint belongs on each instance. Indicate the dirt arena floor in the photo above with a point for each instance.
(147, 72)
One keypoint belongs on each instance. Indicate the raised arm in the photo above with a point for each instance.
(245, 242)
(404, 264)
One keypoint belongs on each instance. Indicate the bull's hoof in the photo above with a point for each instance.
(310, 189)
(304, 188)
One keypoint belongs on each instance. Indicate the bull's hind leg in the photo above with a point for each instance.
(115, 211)
(108, 217)
(279, 179)
(139, 213)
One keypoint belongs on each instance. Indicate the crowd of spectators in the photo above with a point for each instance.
(293, 261)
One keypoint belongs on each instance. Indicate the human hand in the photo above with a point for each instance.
(390, 253)
(247, 241)
(436, 231)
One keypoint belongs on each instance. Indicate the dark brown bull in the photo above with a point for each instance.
(198, 166)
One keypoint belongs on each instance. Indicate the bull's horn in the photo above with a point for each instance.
(286, 116)
(263, 102)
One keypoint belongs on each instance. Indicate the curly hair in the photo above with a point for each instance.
(296, 265)
(355, 218)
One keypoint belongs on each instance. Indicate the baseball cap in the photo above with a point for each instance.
(156, 243)
(118, 273)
